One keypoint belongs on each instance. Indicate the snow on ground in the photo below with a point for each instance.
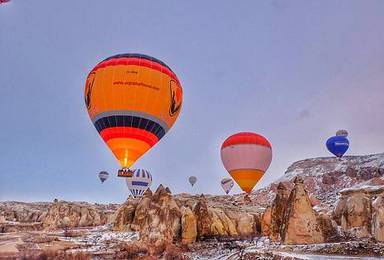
(318, 166)
(363, 186)
(101, 238)
(322, 257)
(264, 248)
(220, 250)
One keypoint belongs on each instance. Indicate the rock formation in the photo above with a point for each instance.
(2, 218)
(79, 214)
(328, 226)
(278, 209)
(292, 220)
(30, 216)
(188, 226)
(301, 221)
(378, 218)
(246, 223)
(125, 214)
(266, 222)
(204, 219)
(23, 212)
(356, 214)
(360, 212)
(163, 217)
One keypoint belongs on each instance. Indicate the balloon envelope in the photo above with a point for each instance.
(227, 184)
(133, 100)
(337, 145)
(103, 176)
(140, 181)
(192, 180)
(342, 132)
(246, 156)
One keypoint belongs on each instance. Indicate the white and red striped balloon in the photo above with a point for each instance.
(246, 156)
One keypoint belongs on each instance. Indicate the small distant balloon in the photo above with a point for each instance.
(192, 180)
(140, 181)
(337, 145)
(103, 176)
(342, 132)
(227, 184)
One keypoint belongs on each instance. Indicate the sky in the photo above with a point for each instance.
(293, 71)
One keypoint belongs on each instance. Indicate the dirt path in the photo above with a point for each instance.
(8, 245)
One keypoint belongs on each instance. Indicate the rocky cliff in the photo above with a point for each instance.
(325, 177)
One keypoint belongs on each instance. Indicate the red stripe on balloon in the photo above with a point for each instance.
(245, 138)
(129, 132)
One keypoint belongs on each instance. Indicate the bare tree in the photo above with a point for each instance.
(65, 223)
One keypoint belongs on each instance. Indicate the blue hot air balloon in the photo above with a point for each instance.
(103, 176)
(337, 145)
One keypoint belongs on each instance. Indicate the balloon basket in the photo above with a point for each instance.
(124, 173)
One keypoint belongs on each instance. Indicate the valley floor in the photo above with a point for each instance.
(263, 248)
(101, 243)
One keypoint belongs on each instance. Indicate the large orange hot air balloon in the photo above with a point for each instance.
(133, 100)
(246, 156)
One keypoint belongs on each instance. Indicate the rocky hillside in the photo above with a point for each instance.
(161, 219)
(325, 177)
(23, 212)
(20, 216)
(322, 201)
(317, 201)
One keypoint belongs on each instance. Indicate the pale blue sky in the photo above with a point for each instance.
(294, 71)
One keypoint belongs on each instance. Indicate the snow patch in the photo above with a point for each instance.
(101, 238)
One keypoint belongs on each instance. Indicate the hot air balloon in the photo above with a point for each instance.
(133, 100)
(139, 182)
(103, 176)
(227, 184)
(246, 156)
(192, 180)
(337, 145)
(342, 132)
